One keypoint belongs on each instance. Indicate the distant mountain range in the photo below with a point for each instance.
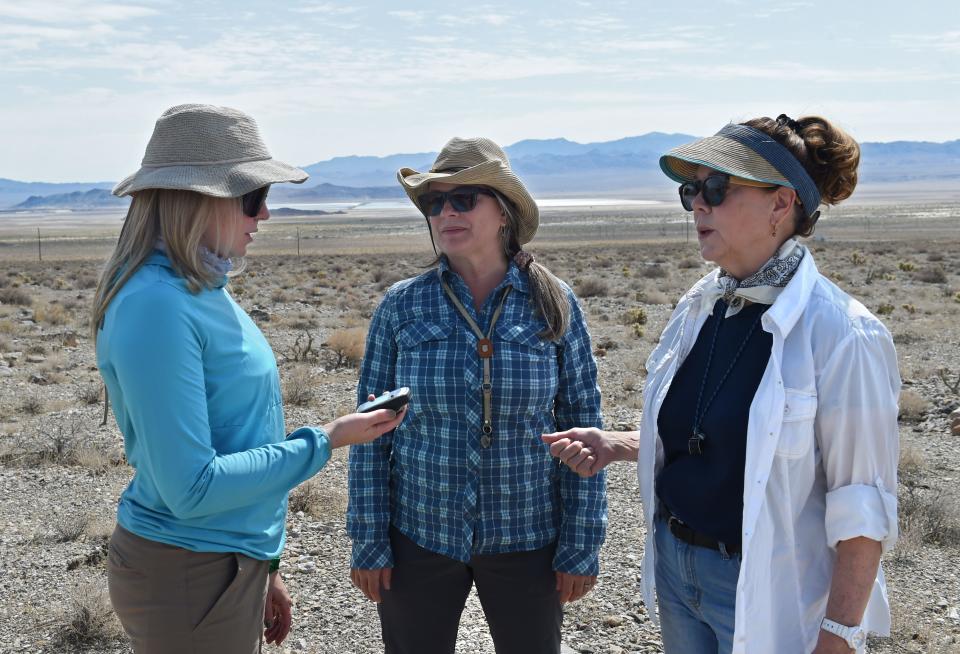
(627, 166)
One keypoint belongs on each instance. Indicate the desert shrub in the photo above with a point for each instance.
(885, 309)
(635, 316)
(302, 349)
(298, 389)
(906, 266)
(688, 264)
(36, 348)
(90, 393)
(92, 458)
(302, 320)
(857, 258)
(67, 529)
(931, 515)
(51, 314)
(87, 623)
(656, 271)
(348, 344)
(32, 404)
(16, 296)
(305, 497)
(279, 296)
(592, 287)
(931, 275)
(85, 282)
(912, 406)
(934, 256)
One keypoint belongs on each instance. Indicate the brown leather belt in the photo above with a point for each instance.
(683, 531)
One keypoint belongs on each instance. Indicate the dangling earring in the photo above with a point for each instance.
(773, 232)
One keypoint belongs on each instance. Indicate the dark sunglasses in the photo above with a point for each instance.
(714, 189)
(253, 201)
(461, 198)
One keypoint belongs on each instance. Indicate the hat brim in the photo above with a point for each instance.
(494, 174)
(723, 154)
(221, 180)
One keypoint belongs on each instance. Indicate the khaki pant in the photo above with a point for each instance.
(172, 600)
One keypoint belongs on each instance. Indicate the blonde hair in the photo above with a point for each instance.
(179, 217)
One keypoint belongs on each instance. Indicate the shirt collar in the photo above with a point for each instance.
(784, 313)
(158, 258)
(516, 278)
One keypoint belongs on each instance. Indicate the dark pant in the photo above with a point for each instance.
(421, 612)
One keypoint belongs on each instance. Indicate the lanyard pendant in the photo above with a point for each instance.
(695, 443)
(485, 348)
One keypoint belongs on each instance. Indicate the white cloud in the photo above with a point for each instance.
(72, 11)
(944, 42)
(412, 16)
(328, 8)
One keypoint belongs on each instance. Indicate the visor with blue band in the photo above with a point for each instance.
(711, 152)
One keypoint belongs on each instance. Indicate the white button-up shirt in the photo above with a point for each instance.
(822, 452)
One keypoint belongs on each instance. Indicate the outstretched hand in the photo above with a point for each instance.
(586, 451)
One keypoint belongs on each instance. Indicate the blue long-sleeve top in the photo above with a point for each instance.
(432, 478)
(196, 394)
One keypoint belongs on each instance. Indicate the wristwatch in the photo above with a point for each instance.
(855, 636)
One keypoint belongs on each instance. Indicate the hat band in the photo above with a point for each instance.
(780, 158)
(204, 163)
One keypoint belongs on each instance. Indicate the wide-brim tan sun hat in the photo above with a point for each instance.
(477, 161)
(211, 150)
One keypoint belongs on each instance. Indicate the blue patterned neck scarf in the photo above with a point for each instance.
(212, 261)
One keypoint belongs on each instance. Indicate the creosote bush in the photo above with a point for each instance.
(348, 345)
(298, 389)
(592, 287)
(912, 406)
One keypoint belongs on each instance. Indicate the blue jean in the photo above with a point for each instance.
(696, 594)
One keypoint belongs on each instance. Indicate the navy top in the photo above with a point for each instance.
(706, 490)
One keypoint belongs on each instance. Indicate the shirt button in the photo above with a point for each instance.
(485, 440)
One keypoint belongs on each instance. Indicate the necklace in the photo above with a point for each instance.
(698, 438)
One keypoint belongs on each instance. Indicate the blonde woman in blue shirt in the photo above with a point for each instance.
(196, 393)
(494, 349)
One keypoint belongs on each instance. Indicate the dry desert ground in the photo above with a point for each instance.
(62, 470)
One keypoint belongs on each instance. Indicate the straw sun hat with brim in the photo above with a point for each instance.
(477, 162)
(211, 150)
(747, 153)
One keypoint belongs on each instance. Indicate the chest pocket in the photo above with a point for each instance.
(525, 338)
(797, 434)
(525, 369)
(417, 334)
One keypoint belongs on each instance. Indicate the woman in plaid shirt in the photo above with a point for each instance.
(495, 351)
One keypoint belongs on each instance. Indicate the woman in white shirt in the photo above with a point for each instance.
(767, 452)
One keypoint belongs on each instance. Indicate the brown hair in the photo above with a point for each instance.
(547, 294)
(181, 218)
(828, 154)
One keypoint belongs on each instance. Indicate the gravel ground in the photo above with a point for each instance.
(61, 473)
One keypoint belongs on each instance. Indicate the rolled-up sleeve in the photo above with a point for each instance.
(858, 437)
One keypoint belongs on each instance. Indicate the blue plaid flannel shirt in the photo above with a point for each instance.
(431, 478)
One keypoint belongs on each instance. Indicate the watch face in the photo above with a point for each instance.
(858, 639)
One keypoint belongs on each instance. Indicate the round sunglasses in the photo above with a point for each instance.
(714, 189)
(253, 201)
(461, 198)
